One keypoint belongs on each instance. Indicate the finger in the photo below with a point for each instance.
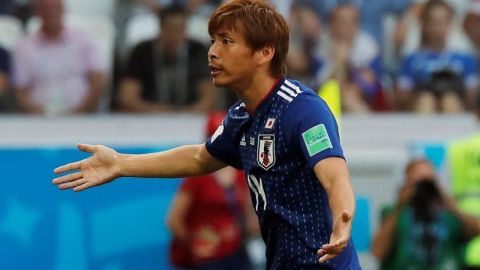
(83, 186)
(328, 247)
(73, 184)
(336, 247)
(67, 178)
(87, 147)
(327, 257)
(330, 251)
(322, 252)
(68, 167)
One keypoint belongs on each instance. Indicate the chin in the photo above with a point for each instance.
(219, 83)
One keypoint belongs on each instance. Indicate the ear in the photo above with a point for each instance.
(265, 54)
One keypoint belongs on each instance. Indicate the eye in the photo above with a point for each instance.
(227, 41)
(212, 41)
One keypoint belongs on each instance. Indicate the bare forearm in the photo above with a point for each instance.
(341, 197)
(403, 99)
(207, 99)
(91, 102)
(334, 176)
(25, 103)
(181, 205)
(143, 106)
(179, 230)
(384, 238)
(3, 83)
(470, 223)
(131, 99)
(471, 98)
(184, 161)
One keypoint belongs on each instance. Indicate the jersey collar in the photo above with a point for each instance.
(267, 96)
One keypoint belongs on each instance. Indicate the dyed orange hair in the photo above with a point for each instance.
(262, 26)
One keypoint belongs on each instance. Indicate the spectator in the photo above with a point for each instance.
(471, 24)
(421, 69)
(352, 58)
(372, 12)
(456, 38)
(305, 36)
(169, 73)
(210, 218)
(126, 9)
(191, 6)
(425, 229)
(57, 70)
(4, 77)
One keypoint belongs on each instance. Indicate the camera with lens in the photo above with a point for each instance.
(426, 200)
(444, 81)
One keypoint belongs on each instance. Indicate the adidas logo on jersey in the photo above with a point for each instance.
(242, 141)
(288, 91)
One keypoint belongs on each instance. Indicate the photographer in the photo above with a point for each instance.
(425, 229)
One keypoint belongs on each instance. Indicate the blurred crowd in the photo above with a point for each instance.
(71, 57)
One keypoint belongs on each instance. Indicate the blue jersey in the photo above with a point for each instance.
(417, 68)
(277, 146)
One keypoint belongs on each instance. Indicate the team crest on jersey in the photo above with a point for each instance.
(266, 150)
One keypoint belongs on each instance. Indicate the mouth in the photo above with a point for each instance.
(215, 70)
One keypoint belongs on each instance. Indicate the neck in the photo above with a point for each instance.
(52, 34)
(254, 91)
(437, 46)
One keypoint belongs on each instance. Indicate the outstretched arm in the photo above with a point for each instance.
(333, 175)
(106, 164)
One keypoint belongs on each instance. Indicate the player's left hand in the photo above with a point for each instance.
(338, 239)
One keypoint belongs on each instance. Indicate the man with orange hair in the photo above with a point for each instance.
(302, 192)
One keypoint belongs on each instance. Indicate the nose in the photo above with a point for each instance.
(212, 52)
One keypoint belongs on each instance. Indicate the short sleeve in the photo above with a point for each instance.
(223, 144)
(93, 58)
(309, 125)
(138, 60)
(22, 63)
(406, 78)
(470, 73)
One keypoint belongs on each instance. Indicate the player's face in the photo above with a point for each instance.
(231, 61)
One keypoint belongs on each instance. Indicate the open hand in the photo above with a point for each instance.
(102, 167)
(338, 239)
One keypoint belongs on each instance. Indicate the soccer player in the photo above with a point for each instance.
(280, 133)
